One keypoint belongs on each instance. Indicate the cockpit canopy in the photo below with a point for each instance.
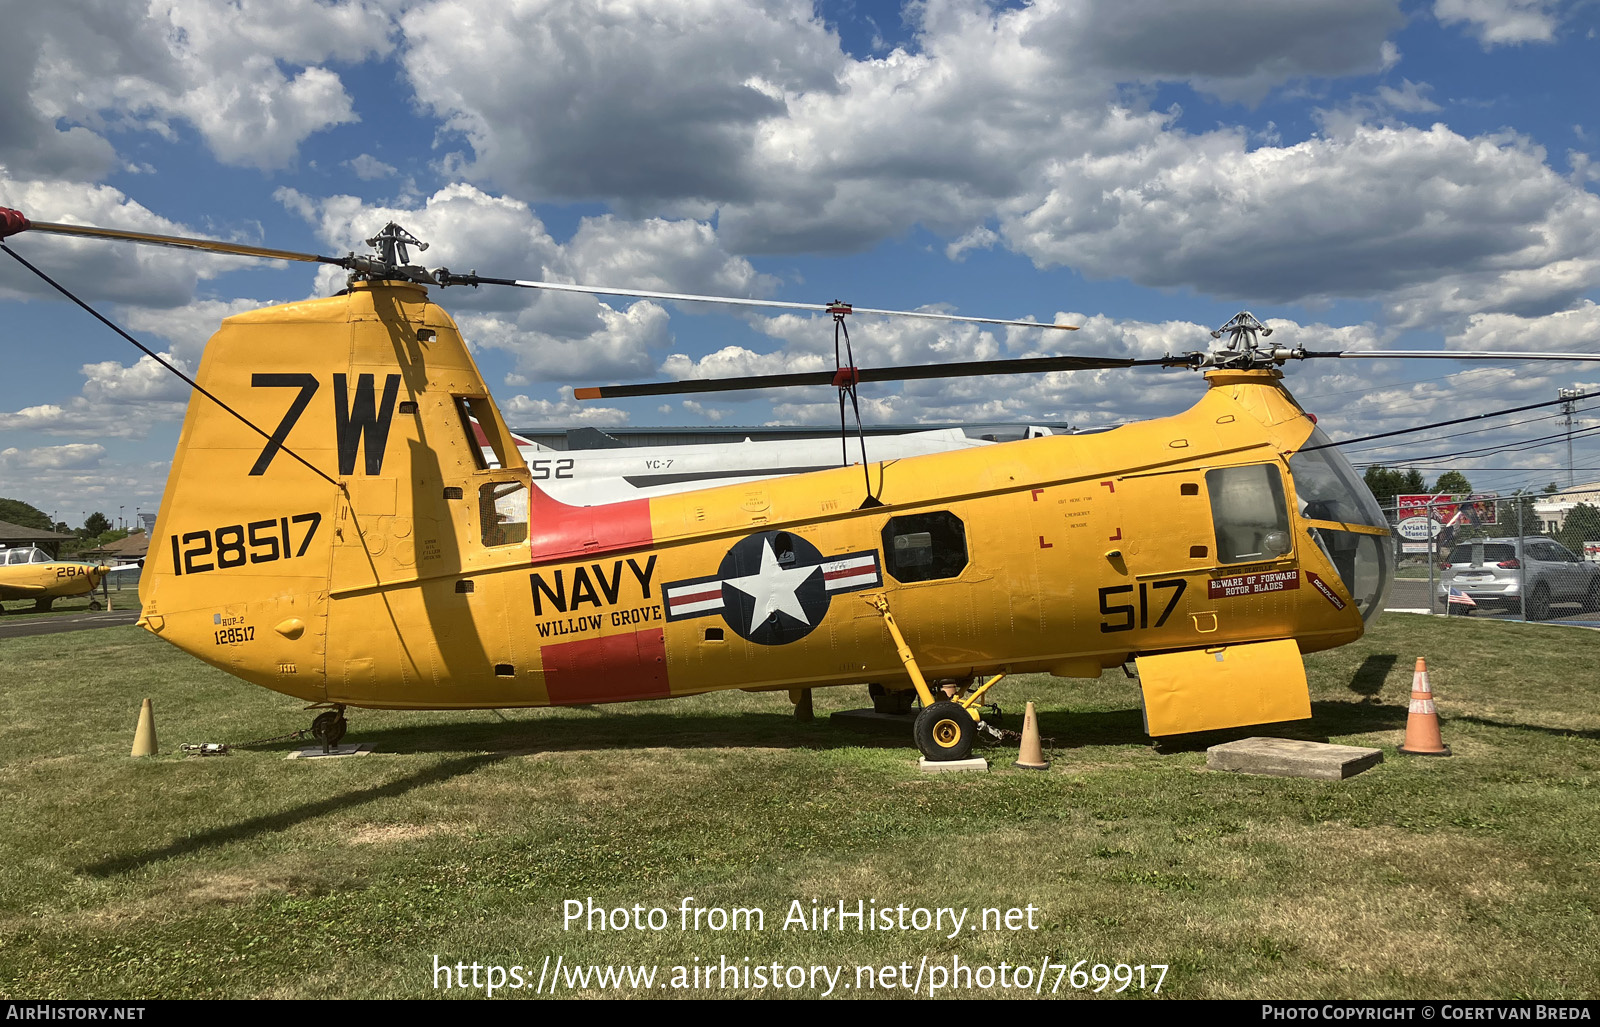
(32, 554)
(1330, 491)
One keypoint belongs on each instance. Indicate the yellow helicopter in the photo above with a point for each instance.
(333, 529)
(31, 573)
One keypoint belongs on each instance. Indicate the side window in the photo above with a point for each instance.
(1249, 513)
(1562, 553)
(503, 513)
(925, 547)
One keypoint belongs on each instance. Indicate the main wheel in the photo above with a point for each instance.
(945, 732)
(1539, 604)
(329, 727)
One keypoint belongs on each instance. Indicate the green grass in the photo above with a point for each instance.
(252, 875)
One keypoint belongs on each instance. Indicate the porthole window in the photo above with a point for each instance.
(925, 547)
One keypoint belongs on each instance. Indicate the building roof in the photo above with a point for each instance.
(16, 535)
(135, 545)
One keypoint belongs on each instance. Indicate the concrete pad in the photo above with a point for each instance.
(946, 766)
(871, 720)
(1288, 757)
(316, 753)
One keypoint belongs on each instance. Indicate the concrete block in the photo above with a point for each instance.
(1288, 757)
(947, 766)
(316, 753)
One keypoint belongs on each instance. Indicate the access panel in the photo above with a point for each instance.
(1226, 686)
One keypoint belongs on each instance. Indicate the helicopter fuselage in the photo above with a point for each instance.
(366, 553)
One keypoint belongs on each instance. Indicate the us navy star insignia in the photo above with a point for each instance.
(773, 588)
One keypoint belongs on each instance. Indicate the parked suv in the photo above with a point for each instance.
(1492, 571)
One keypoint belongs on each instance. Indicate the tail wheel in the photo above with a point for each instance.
(945, 731)
(1539, 604)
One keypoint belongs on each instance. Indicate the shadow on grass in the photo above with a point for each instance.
(1558, 732)
(624, 731)
(1328, 718)
(629, 731)
(247, 829)
(1370, 676)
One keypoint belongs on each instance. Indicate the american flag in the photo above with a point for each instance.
(1460, 598)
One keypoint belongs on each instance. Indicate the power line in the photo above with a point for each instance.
(1479, 431)
(1436, 424)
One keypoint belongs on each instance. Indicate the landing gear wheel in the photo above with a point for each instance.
(329, 728)
(945, 732)
(94, 604)
(1539, 604)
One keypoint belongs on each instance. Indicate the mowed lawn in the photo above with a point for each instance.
(463, 834)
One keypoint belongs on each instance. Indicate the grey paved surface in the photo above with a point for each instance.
(1412, 594)
(50, 624)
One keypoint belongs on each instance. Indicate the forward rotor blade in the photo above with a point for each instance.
(175, 241)
(446, 278)
(967, 369)
(1460, 354)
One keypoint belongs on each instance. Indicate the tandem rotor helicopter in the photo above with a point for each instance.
(332, 530)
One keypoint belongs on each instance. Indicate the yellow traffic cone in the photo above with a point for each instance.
(1422, 723)
(144, 736)
(1031, 756)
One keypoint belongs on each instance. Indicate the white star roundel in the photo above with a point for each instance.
(773, 588)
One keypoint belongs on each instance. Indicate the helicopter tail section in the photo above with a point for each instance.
(329, 457)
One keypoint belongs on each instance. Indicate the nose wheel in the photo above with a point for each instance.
(329, 728)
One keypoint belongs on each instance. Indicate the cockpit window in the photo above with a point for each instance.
(1249, 513)
(1328, 488)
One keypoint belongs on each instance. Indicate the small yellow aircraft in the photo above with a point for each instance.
(32, 573)
(331, 529)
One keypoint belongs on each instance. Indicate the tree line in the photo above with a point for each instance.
(96, 530)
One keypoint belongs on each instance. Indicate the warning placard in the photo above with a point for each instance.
(1252, 584)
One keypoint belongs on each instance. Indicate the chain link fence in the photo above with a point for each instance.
(1532, 555)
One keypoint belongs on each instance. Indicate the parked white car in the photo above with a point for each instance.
(1492, 571)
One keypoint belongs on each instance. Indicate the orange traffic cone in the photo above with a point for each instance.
(1031, 755)
(1422, 724)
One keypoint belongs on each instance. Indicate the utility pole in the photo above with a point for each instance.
(1569, 398)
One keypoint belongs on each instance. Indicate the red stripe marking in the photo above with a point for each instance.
(615, 668)
(557, 531)
(696, 597)
(850, 572)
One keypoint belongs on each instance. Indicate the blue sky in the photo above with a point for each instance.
(1364, 173)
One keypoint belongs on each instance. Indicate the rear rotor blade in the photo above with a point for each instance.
(1460, 354)
(967, 369)
(447, 278)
